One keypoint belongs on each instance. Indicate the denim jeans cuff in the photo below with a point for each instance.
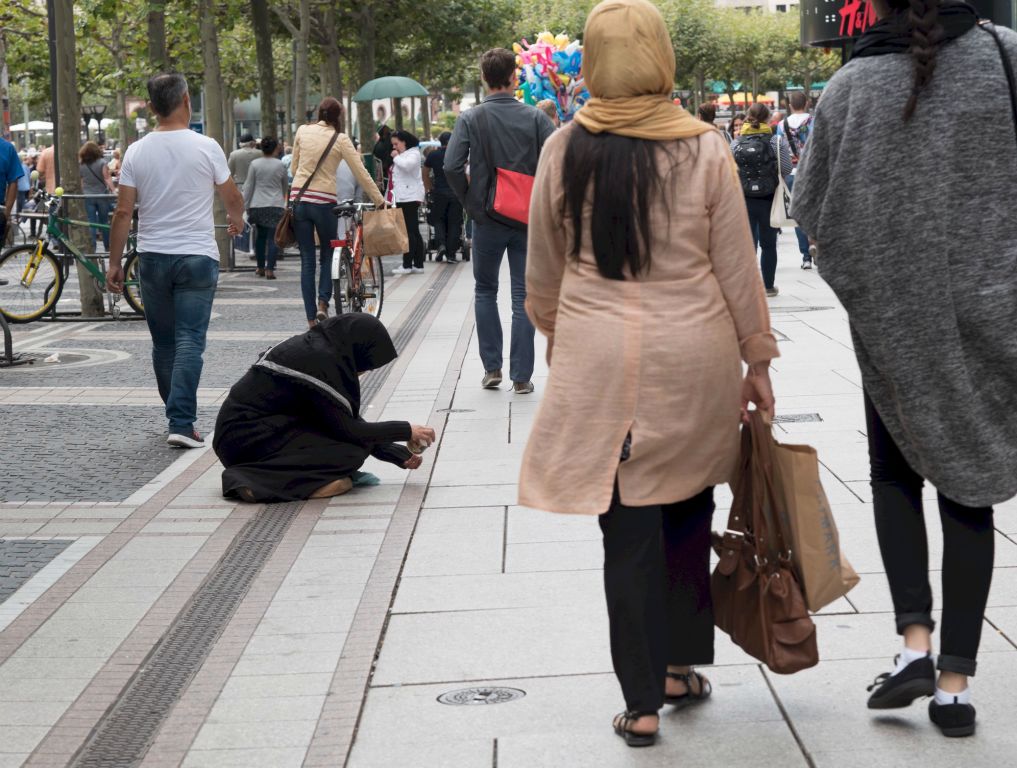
(905, 620)
(957, 664)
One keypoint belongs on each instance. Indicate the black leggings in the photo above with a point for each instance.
(657, 581)
(415, 256)
(968, 550)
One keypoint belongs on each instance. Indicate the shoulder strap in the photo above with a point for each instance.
(790, 142)
(92, 171)
(1007, 68)
(331, 143)
(483, 133)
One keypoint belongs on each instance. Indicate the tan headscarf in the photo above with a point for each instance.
(628, 65)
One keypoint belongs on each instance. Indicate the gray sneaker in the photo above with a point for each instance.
(492, 380)
(522, 387)
(771, 292)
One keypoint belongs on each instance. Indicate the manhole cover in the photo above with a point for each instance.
(456, 410)
(790, 418)
(466, 697)
(795, 310)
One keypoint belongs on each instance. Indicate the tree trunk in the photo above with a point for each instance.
(5, 97)
(365, 110)
(426, 114)
(157, 54)
(348, 118)
(68, 139)
(302, 60)
(288, 119)
(476, 91)
(332, 74)
(266, 69)
(212, 106)
(229, 129)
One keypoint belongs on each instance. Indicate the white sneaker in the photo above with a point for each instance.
(417, 270)
(402, 271)
(184, 441)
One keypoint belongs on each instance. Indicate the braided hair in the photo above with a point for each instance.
(926, 36)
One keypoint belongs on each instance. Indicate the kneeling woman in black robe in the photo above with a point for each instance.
(291, 427)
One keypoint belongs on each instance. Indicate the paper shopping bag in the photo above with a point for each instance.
(385, 232)
(808, 521)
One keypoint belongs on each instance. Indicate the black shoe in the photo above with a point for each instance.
(440, 255)
(953, 720)
(916, 680)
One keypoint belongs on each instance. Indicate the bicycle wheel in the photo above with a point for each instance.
(26, 295)
(372, 285)
(132, 283)
(342, 285)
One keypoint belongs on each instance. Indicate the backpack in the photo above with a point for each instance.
(757, 165)
(796, 137)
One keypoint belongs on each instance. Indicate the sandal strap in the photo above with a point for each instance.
(705, 686)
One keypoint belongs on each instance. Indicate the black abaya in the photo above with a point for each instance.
(292, 423)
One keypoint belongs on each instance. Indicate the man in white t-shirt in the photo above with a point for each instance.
(172, 174)
(795, 129)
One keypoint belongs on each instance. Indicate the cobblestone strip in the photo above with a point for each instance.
(21, 559)
(336, 730)
(36, 614)
(182, 726)
(71, 730)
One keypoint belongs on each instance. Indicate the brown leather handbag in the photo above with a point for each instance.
(285, 236)
(757, 598)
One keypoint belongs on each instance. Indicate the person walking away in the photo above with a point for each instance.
(317, 149)
(511, 134)
(549, 108)
(10, 172)
(265, 201)
(383, 151)
(46, 166)
(642, 276)
(445, 207)
(97, 185)
(407, 191)
(114, 166)
(24, 183)
(292, 428)
(794, 129)
(239, 162)
(707, 113)
(172, 173)
(760, 156)
(287, 159)
(923, 261)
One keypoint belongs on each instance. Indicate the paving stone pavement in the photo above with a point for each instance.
(376, 604)
(20, 559)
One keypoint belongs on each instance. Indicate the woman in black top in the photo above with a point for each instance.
(291, 427)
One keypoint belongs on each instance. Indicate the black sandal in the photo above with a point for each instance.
(623, 720)
(689, 697)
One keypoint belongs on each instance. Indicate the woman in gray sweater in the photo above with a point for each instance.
(911, 215)
(265, 200)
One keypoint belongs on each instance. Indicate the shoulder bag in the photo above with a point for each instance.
(508, 196)
(284, 234)
(1007, 67)
(780, 210)
(757, 598)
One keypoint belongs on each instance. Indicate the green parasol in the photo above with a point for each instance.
(391, 87)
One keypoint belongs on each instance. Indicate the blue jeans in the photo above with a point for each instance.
(803, 239)
(177, 291)
(763, 236)
(490, 242)
(309, 218)
(98, 213)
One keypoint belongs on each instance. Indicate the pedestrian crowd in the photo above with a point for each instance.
(637, 226)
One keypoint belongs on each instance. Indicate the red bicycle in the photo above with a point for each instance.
(358, 281)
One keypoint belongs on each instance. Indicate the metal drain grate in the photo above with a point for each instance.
(795, 310)
(794, 418)
(374, 380)
(124, 734)
(469, 697)
(456, 410)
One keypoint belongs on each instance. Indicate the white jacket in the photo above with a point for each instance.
(407, 180)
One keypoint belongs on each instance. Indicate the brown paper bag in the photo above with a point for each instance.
(385, 233)
(824, 572)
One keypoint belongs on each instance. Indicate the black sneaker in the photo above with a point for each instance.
(916, 680)
(953, 720)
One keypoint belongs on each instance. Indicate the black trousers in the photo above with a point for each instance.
(764, 236)
(657, 581)
(448, 222)
(415, 256)
(968, 551)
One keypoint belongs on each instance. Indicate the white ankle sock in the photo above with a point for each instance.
(906, 657)
(943, 697)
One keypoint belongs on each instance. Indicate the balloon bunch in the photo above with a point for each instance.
(549, 68)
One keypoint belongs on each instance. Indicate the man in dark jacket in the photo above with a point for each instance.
(502, 133)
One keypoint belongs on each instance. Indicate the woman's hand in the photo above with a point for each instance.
(757, 389)
(422, 435)
(395, 153)
(413, 462)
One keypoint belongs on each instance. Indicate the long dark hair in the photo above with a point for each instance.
(922, 18)
(626, 180)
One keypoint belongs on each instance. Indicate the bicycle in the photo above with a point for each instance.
(358, 281)
(32, 276)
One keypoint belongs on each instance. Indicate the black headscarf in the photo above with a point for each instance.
(333, 354)
(893, 33)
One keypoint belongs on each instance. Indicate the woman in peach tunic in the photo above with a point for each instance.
(642, 274)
